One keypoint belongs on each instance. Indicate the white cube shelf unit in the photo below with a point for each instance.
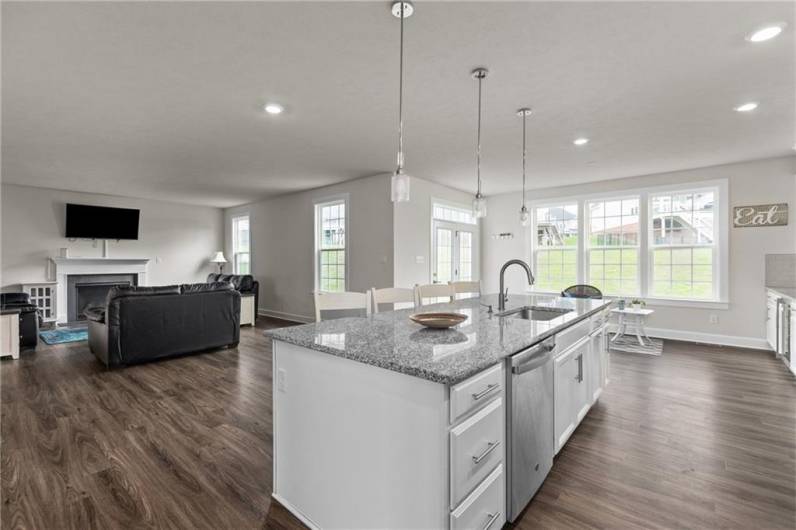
(42, 295)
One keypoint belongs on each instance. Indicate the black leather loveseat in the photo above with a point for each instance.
(243, 283)
(144, 323)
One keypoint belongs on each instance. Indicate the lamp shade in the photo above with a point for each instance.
(218, 258)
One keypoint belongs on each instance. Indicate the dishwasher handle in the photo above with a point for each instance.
(533, 357)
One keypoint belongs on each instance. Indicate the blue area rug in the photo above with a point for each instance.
(64, 335)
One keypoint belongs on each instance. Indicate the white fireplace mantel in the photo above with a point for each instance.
(66, 266)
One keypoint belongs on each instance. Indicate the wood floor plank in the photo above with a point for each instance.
(700, 437)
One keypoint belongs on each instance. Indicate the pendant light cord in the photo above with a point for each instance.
(524, 149)
(401, 97)
(478, 148)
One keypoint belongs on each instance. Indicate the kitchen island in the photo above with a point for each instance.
(379, 422)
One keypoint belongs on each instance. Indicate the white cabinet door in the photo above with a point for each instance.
(595, 374)
(571, 390)
(793, 338)
(771, 322)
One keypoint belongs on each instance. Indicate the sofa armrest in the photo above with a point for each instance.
(95, 314)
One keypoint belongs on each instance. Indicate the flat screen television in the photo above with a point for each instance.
(101, 222)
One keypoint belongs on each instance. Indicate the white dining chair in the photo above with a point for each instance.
(326, 301)
(466, 288)
(435, 291)
(392, 295)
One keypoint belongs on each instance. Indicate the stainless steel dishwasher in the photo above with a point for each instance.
(529, 419)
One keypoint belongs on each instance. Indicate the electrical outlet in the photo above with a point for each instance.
(714, 318)
(420, 259)
(281, 380)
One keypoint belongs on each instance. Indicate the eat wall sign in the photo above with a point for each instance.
(761, 215)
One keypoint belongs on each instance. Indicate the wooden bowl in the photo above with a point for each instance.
(438, 320)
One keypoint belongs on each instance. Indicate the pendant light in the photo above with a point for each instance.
(525, 216)
(399, 185)
(479, 202)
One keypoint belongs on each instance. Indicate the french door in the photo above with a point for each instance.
(455, 255)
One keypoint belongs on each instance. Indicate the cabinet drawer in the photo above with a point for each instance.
(483, 509)
(476, 448)
(475, 392)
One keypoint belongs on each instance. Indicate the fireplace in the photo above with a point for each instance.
(85, 290)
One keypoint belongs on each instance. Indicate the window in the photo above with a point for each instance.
(455, 244)
(612, 245)
(241, 254)
(330, 245)
(682, 243)
(556, 247)
(667, 243)
(455, 214)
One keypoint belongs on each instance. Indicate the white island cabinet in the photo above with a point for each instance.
(379, 423)
(412, 454)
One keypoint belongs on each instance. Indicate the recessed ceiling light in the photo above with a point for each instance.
(766, 33)
(746, 107)
(274, 108)
(581, 141)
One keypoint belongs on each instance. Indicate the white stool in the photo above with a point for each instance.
(635, 318)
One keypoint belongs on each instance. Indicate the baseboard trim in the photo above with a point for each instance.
(292, 509)
(285, 316)
(707, 338)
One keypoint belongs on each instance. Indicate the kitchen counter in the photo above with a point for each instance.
(785, 292)
(390, 340)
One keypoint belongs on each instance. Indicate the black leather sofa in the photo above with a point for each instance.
(141, 324)
(243, 283)
(29, 318)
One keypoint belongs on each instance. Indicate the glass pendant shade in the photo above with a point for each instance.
(525, 217)
(479, 206)
(399, 187)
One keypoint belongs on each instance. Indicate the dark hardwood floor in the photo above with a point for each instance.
(702, 437)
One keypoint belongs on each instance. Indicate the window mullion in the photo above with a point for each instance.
(644, 250)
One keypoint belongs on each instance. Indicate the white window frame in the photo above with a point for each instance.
(235, 252)
(319, 203)
(587, 248)
(721, 249)
(456, 227)
(579, 248)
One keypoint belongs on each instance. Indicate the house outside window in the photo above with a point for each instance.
(331, 245)
(241, 245)
(613, 245)
(556, 246)
(682, 244)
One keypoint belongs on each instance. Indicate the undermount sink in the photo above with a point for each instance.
(534, 313)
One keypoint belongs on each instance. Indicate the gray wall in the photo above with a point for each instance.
(282, 236)
(178, 238)
(759, 182)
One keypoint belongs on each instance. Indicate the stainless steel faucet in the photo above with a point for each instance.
(504, 295)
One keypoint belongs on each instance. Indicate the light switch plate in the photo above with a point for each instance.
(420, 259)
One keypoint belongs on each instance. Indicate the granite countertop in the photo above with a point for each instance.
(10, 311)
(390, 340)
(787, 292)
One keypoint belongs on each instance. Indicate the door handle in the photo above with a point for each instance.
(579, 377)
(491, 446)
(492, 518)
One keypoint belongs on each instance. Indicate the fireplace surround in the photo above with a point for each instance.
(86, 290)
(63, 268)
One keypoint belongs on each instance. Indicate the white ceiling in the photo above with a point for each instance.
(163, 100)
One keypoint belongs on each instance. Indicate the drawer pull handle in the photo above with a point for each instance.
(492, 519)
(487, 390)
(489, 448)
